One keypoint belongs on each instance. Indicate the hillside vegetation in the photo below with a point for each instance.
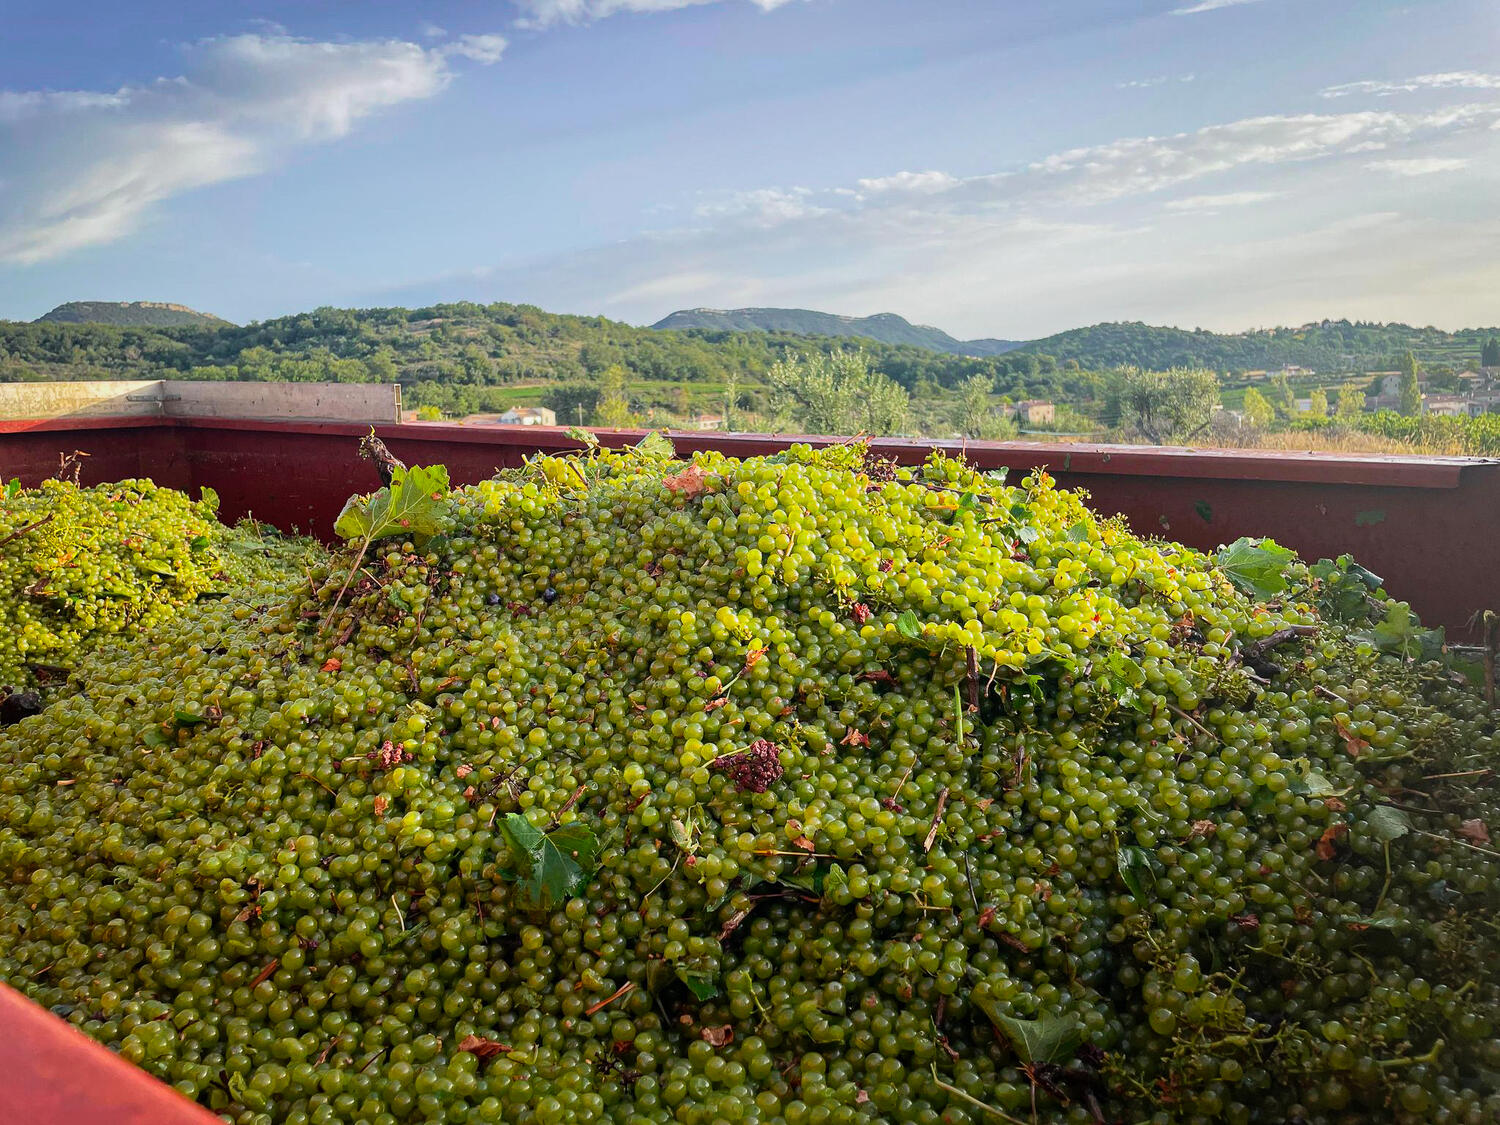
(1327, 346)
(888, 328)
(464, 357)
(146, 314)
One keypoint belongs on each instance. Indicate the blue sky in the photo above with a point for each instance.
(996, 167)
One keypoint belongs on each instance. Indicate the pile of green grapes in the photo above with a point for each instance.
(78, 565)
(797, 789)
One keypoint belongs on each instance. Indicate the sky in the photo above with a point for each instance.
(1005, 168)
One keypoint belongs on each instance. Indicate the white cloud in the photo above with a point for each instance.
(921, 183)
(1419, 165)
(485, 49)
(1219, 202)
(83, 167)
(761, 206)
(544, 13)
(1073, 238)
(1154, 80)
(1209, 6)
(1451, 80)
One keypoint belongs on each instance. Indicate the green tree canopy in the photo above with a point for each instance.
(1167, 406)
(835, 393)
(1411, 395)
(1258, 412)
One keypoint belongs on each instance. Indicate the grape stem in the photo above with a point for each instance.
(973, 1101)
(1412, 1060)
(23, 530)
(1181, 714)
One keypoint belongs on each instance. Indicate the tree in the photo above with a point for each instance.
(731, 399)
(575, 404)
(1408, 364)
(1258, 412)
(1317, 403)
(1351, 402)
(1167, 406)
(1411, 394)
(835, 393)
(976, 410)
(1489, 355)
(1282, 397)
(614, 403)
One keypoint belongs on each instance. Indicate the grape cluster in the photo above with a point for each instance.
(766, 791)
(78, 565)
(752, 770)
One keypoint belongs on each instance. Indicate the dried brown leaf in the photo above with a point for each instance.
(1328, 842)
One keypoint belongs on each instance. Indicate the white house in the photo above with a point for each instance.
(527, 416)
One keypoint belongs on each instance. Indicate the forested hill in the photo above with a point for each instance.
(463, 357)
(1326, 346)
(888, 328)
(138, 314)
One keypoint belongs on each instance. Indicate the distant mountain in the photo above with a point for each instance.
(131, 314)
(1325, 346)
(888, 328)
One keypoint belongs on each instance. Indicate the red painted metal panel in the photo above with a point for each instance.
(1424, 523)
(53, 1074)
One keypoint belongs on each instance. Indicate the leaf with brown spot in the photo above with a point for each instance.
(855, 738)
(691, 482)
(718, 1036)
(1333, 804)
(1475, 831)
(332, 664)
(1327, 843)
(483, 1049)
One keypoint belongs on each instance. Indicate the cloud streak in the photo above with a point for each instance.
(84, 168)
(1209, 6)
(1449, 80)
(545, 13)
(1419, 166)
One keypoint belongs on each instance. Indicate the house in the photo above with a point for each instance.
(708, 422)
(1448, 406)
(1033, 412)
(527, 416)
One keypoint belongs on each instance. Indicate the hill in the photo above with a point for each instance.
(888, 328)
(465, 357)
(1326, 346)
(135, 314)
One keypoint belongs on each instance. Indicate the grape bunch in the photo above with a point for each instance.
(619, 788)
(78, 565)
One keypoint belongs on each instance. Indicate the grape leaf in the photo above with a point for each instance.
(1401, 634)
(701, 985)
(1047, 1039)
(1387, 824)
(656, 444)
(550, 867)
(410, 504)
(1256, 566)
(588, 437)
(1133, 863)
(908, 625)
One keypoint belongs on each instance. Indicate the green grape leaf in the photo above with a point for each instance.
(13, 487)
(1401, 634)
(705, 986)
(1079, 532)
(1387, 824)
(210, 499)
(832, 882)
(908, 625)
(550, 867)
(588, 437)
(410, 504)
(188, 718)
(154, 737)
(1127, 677)
(1047, 1039)
(1028, 534)
(1313, 783)
(198, 542)
(1136, 866)
(657, 445)
(1256, 566)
